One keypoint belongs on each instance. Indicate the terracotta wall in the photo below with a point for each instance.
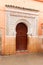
(9, 44)
(2, 28)
(35, 44)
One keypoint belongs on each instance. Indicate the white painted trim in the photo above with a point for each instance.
(36, 36)
(24, 11)
(28, 36)
(10, 36)
(23, 21)
(29, 22)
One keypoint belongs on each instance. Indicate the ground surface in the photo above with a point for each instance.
(22, 59)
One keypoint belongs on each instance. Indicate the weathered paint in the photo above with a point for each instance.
(9, 44)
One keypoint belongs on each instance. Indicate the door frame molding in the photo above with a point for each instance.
(26, 35)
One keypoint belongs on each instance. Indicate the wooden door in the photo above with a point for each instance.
(21, 37)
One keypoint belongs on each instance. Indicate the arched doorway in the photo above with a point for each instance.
(21, 37)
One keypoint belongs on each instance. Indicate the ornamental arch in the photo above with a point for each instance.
(21, 35)
(23, 21)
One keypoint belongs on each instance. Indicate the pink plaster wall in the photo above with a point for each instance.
(2, 27)
(8, 41)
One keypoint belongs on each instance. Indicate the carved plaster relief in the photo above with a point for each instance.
(15, 17)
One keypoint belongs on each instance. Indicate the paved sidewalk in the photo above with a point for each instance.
(22, 59)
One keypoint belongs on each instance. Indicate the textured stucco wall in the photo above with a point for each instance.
(34, 45)
(9, 44)
(2, 28)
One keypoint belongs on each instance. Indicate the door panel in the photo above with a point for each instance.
(21, 37)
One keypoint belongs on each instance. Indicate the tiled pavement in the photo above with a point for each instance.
(22, 59)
